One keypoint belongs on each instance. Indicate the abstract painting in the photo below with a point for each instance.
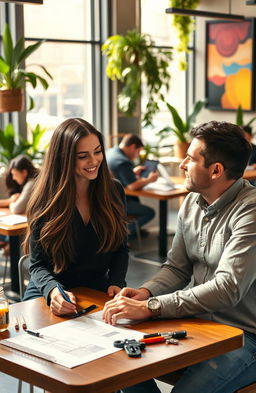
(230, 63)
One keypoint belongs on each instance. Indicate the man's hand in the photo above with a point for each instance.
(137, 294)
(124, 307)
(152, 177)
(59, 306)
(113, 290)
(138, 169)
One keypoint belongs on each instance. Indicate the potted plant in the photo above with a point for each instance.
(13, 77)
(181, 127)
(240, 118)
(12, 145)
(131, 59)
(184, 25)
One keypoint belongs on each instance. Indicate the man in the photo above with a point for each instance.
(215, 243)
(120, 160)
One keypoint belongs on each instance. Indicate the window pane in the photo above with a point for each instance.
(59, 19)
(69, 93)
(158, 24)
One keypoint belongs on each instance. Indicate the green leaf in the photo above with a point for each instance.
(28, 51)
(176, 118)
(8, 45)
(4, 68)
(239, 116)
(196, 109)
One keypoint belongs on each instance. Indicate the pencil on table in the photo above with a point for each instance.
(23, 322)
(16, 323)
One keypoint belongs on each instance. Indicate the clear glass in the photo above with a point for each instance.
(69, 93)
(158, 24)
(63, 19)
(4, 311)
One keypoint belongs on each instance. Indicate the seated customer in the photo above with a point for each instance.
(215, 243)
(19, 182)
(120, 160)
(77, 234)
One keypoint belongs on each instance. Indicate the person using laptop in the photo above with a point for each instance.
(215, 243)
(120, 160)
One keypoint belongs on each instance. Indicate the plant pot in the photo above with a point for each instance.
(11, 100)
(180, 149)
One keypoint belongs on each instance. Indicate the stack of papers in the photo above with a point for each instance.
(13, 219)
(73, 342)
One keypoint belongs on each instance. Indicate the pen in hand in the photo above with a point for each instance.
(64, 295)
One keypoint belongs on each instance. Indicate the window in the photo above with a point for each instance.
(158, 24)
(71, 54)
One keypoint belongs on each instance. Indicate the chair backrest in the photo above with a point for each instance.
(23, 269)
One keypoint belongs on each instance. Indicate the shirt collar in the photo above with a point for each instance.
(222, 201)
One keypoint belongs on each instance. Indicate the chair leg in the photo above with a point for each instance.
(5, 269)
(19, 386)
(138, 233)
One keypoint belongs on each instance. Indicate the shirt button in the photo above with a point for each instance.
(202, 244)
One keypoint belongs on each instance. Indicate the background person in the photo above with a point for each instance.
(20, 179)
(77, 228)
(120, 160)
(215, 242)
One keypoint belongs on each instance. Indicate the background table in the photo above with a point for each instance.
(163, 197)
(205, 339)
(14, 232)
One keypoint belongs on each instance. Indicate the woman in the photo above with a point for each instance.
(19, 181)
(77, 220)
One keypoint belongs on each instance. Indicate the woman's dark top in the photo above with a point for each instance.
(88, 269)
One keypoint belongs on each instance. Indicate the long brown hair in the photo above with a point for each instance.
(54, 198)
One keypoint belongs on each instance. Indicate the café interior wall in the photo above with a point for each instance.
(237, 7)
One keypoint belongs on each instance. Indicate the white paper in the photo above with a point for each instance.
(121, 322)
(13, 219)
(73, 342)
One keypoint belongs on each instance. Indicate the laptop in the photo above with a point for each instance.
(163, 182)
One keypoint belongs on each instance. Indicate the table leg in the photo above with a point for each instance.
(162, 241)
(14, 258)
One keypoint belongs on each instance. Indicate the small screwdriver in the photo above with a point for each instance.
(177, 334)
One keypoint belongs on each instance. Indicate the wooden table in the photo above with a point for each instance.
(205, 340)
(163, 197)
(14, 231)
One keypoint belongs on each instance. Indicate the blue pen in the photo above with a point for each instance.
(64, 295)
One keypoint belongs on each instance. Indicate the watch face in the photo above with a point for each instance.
(153, 304)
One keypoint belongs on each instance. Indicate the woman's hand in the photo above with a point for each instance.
(14, 197)
(113, 290)
(124, 307)
(59, 306)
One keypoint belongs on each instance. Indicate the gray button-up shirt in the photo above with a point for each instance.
(216, 245)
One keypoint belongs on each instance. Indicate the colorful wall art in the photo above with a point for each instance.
(230, 63)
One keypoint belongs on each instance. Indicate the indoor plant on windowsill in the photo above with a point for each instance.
(13, 77)
(181, 128)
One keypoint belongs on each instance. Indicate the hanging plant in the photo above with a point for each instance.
(184, 25)
(131, 59)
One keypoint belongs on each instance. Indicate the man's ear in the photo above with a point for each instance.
(217, 170)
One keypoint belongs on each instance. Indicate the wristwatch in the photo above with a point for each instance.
(154, 306)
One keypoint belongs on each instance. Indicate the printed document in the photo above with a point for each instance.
(13, 219)
(73, 342)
